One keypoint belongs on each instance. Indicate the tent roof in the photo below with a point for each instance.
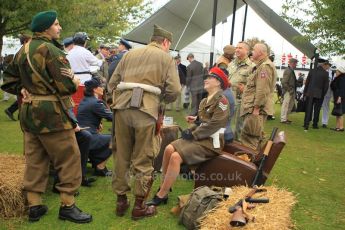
(174, 16)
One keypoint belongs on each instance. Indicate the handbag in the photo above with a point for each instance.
(337, 110)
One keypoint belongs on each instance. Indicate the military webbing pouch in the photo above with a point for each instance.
(202, 200)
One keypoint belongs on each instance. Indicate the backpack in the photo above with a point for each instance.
(201, 200)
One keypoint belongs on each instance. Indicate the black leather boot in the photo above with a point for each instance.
(36, 212)
(74, 214)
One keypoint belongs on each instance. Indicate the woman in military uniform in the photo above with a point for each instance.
(204, 140)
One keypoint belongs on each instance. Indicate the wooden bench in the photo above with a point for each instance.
(228, 170)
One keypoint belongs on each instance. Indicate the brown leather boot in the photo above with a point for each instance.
(141, 210)
(122, 205)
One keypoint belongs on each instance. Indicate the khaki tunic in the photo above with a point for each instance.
(257, 92)
(136, 142)
(239, 72)
(214, 114)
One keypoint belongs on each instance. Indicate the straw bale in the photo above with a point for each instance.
(12, 202)
(273, 215)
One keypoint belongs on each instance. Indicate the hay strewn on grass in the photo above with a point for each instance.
(274, 215)
(12, 202)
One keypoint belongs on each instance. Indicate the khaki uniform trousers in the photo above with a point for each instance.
(59, 148)
(136, 147)
(288, 103)
(238, 120)
(253, 131)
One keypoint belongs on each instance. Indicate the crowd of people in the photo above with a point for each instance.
(130, 88)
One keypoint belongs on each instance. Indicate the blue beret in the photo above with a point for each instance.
(125, 43)
(92, 84)
(67, 41)
(43, 20)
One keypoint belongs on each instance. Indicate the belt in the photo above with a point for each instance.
(131, 85)
(84, 72)
(35, 97)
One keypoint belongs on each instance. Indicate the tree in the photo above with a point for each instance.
(103, 20)
(320, 21)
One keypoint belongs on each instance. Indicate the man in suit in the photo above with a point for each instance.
(195, 82)
(182, 71)
(315, 89)
(289, 90)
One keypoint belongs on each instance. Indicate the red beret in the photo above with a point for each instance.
(219, 74)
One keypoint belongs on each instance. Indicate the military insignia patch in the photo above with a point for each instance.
(263, 74)
(63, 60)
(223, 104)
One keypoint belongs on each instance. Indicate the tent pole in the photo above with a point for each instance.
(233, 22)
(245, 20)
(215, 3)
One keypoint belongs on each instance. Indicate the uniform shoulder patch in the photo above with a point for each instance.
(63, 59)
(263, 74)
(223, 104)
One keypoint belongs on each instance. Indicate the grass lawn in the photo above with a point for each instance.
(311, 166)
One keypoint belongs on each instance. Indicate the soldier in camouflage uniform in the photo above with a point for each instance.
(255, 100)
(239, 70)
(48, 130)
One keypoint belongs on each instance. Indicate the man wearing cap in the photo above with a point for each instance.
(81, 59)
(315, 89)
(41, 70)
(123, 48)
(144, 78)
(204, 140)
(255, 103)
(289, 89)
(195, 82)
(104, 55)
(68, 44)
(239, 70)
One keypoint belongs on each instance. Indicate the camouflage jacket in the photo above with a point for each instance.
(239, 72)
(42, 115)
(259, 88)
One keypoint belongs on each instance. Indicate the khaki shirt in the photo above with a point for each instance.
(214, 114)
(147, 65)
(260, 86)
(239, 72)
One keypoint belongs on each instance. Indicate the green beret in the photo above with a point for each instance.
(43, 20)
(159, 31)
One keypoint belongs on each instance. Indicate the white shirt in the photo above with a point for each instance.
(82, 60)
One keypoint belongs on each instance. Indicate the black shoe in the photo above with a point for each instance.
(315, 127)
(324, 126)
(102, 172)
(87, 181)
(271, 118)
(306, 128)
(36, 212)
(10, 115)
(156, 201)
(74, 214)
